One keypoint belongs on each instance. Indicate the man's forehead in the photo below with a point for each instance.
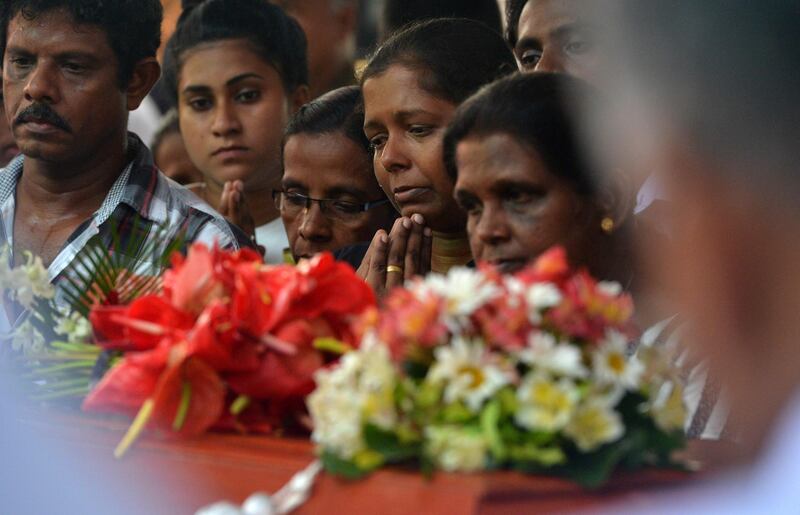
(547, 16)
(56, 29)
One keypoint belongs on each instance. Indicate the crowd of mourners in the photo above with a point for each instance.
(657, 142)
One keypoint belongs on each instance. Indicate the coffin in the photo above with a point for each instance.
(183, 476)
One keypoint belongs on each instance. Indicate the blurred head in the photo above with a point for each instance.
(522, 179)
(238, 71)
(73, 69)
(553, 36)
(326, 156)
(707, 95)
(170, 154)
(330, 27)
(412, 86)
(399, 13)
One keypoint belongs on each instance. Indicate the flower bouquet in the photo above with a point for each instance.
(226, 342)
(49, 339)
(477, 371)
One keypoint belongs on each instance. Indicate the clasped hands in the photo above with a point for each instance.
(394, 258)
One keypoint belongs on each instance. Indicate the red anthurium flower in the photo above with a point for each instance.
(139, 326)
(283, 375)
(216, 341)
(260, 297)
(193, 281)
(334, 290)
(108, 333)
(224, 315)
(188, 398)
(129, 383)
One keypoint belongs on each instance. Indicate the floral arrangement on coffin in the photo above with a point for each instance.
(476, 371)
(50, 341)
(227, 342)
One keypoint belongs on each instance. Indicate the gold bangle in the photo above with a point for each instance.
(394, 269)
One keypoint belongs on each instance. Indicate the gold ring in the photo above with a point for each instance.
(394, 269)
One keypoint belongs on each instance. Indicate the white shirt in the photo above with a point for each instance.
(273, 237)
(144, 120)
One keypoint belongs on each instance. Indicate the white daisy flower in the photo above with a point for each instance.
(611, 364)
(543, 296)
(467, 373)
(544, 352)
(544, 404)
(594, 424)
(464, 290)
(358, 390)
(455, 449)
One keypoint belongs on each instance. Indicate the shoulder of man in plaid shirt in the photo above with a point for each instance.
(142, 206)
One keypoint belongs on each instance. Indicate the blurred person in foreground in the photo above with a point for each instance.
(329, 196)
(707, 95)
(330, 27)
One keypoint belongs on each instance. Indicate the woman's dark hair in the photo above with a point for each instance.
(272, 34)
(456, 56)
(513, 13)
(133, 27)
(535, 110)
(399, 13)
(340, 110)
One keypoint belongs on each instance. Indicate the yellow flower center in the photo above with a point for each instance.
(616, 362)
(548, 397)
(474, 373)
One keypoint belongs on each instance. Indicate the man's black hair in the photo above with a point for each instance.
(535, 110)
(513, 12)
(271, 33)
(456, 56)
(340, 110)
(398, 13)
(133, 27)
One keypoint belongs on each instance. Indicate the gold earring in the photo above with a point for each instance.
(607, 224)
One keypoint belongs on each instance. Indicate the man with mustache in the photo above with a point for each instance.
(72, 70)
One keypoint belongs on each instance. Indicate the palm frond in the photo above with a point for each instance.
(105, 271)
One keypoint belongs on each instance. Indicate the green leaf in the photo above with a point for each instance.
(490, 420)
(457, 413)
(540, 458)
(428, 395)
(239, 405)
(341, 467)
(388, 444)
(508, 400)
(183, 407)
(592, 470)
(332, 345)
(415, 369)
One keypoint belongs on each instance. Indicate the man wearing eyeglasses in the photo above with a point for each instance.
(330, 198)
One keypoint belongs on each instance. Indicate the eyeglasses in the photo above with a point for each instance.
(293, 203)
